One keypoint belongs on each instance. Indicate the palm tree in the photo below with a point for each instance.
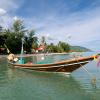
(31, 41)
(14, 36)
(2, 40)
(2, 36)
(63, 47)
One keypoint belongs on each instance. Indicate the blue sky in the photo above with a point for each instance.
(74, 21)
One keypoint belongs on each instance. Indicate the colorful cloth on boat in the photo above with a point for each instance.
(98, 63)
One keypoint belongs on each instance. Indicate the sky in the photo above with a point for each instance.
(76, 22)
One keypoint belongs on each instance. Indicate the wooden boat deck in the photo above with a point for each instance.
(61, 66)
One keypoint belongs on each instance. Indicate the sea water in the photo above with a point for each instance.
(17, 84)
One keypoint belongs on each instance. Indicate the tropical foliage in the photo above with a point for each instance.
(63, 47)
(31, 41)
(14, 35)
(11, 39)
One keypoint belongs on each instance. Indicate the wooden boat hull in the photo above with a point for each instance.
(62, 66)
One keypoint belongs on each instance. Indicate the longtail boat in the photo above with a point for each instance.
(61, 66)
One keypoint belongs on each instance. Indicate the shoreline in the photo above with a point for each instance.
(27, 55)
(36, 54)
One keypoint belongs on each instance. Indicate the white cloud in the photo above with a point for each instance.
(82, 26)
(7, 10)
(6, 21)
(10, 4)
(15, 18)
(77, 28)
(2, 11)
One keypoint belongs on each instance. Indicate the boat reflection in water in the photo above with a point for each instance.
(44, 86)
(23, 84)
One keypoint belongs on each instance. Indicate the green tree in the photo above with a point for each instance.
(14, 36)
(2, 41)
(2, 37)
(43, 40)
(31, 41)
(63, 47)
(51, 48)
(1, 28)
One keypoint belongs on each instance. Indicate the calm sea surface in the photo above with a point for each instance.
(25, 85)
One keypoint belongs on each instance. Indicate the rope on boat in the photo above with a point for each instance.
(93, 81)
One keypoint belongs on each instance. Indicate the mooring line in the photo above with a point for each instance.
(93, 81)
